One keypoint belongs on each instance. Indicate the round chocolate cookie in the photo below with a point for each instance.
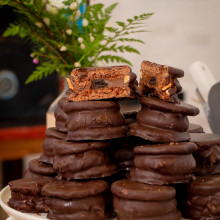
(53, 147)
(207, 154)
(76, 200)
(97, 172)
(61, 118)
(156, 134)
(93, 120)
(133, 200)
(162, 122)
(157, 104)
(195, 128)
(90, 164)
(53, 137)
(154, 163)
(203, 198)
(35, 166)
(26, 194)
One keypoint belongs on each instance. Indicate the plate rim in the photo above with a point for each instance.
(13, 212)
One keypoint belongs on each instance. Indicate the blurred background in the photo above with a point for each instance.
(180, 33)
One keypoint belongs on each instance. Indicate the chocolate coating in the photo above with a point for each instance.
(156, 134)
(81, 162)
(208, 153)
(135, 200)
(54, 133)
(164, 163)
(61, 118)
(203, 198)
(26, 194)
(90, 203)
(163, 120)
(52, 147)
(163, 149)
(152, 177)
(141, 209)
(91, 173)
(37, 167)
(30, 174)
(157, 104)
(74, 190)
(194, 128)
(93, 120)
(30, 186)
(97, 134)
(128, 189)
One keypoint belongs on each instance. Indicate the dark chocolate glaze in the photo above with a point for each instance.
(203, 199)
(27, 203)
(74, 190)
(105, 133)
(101, 171)
(37, 167)
(208, 153)
(156, 134)
(175, 71)
(141, 209)
(54, 133)
(157, 178)
(61, 118)
(164, 164)
(29, 174)
(90, 203)
(92, 120)
(81, 162)
(131, 190)
(205, 139)
(163, 120)
(167, 163)
(98, 118)
(29, 186)
(157, 104)
(52, 147)
(46, 159)
(194, 128)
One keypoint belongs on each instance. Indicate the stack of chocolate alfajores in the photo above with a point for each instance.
(149, 157)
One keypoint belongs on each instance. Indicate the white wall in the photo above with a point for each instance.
(180, 32)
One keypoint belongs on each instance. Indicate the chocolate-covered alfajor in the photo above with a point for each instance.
(53, 138)
(162, 122)
(97, 83)
(76, 200)
(160, 81)
(37, 169)
(91, 164)
(26, 194)
(203, 198)
(207, 154)
(163, 164)
(139, 201)
(92, 120)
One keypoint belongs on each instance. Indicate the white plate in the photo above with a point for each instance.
(5, 194)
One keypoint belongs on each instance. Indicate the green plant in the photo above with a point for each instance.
(61, 44)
